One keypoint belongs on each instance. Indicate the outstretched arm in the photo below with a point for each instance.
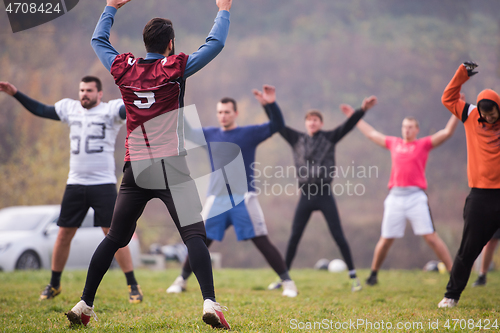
(33, 106)
(214, 43)
(100, 39)
(441, 136)
(267, 98)
(362, 125)
(337, 134)
(451, 95)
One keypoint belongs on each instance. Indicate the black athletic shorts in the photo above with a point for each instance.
(78, 199)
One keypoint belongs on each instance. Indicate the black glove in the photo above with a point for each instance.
(470, 66)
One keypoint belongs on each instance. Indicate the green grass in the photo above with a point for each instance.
(400, 297)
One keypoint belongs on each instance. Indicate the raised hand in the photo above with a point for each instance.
(223, 4)
(470, 66)
(117, 3)
(8, 88)
(368, 103)
(267, 95)
(347, 110)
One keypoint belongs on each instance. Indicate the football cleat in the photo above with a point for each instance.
(355, 285)
(372, 280)
(275, 285)
(289, 289)
(80, 314)
(213, 316)
(178, 286)
(50, 292)
(134, 294)
(481, 281)
(447, 303)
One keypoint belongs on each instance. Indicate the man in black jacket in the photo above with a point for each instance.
(314, 151)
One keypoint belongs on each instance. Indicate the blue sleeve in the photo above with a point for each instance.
(100, 39)
(276, 120)
(212, 47)
(37, 108)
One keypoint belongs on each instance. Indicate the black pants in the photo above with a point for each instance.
(326, 204)
(129, 206)
(481, 221)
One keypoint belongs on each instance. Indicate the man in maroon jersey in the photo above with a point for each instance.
(153, 90)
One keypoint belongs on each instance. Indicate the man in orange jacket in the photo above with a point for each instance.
(482, 207)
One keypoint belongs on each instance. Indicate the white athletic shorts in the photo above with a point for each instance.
(406, 203)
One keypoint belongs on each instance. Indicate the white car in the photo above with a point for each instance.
(28, 234)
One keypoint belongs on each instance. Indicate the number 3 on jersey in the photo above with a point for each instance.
(150, 96)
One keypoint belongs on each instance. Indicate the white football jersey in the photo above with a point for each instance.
(92, 135)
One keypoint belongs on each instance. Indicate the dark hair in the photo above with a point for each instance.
(314, 113)
(486, 105)
(229, 100)
(157, 34)
(88, 79)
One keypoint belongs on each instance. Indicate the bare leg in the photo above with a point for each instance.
(123, 256)
(488, 252)
(381, 250)
(62, 246)
(440, 248)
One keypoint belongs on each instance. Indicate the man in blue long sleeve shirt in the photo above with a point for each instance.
(246, 214)
(153, 91)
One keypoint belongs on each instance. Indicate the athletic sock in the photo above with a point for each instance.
(55, 279)
(200, 262)
(130, 278)
(285, 276)
(352, 274)
(373, 273)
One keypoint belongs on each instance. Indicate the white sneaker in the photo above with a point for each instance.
(213, 316)
(178, 286)
(355, 285)
(447, 303)
(81, 313)
(289, 288)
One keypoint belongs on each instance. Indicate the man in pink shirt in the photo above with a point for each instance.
(406, 199)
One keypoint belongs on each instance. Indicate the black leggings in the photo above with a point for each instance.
(326, 204)
(129, 206)
(481, 221)
(264, 245)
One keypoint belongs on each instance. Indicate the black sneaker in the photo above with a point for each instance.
(372, 280)
(134, 293)
(481, 281)
(50, 292)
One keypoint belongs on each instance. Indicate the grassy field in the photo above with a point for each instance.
(404, 301)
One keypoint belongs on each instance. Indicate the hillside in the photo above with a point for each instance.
(318, 54)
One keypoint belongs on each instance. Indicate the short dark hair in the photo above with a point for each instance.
(229, 100)
(314, 113)
(157, 34)
(486, 105)
(88, 79)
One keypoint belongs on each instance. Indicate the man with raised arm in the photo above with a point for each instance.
(91, 181)
(153, 91)
(482, 207)
(407, 198)
(246, 216)
(314, 151)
